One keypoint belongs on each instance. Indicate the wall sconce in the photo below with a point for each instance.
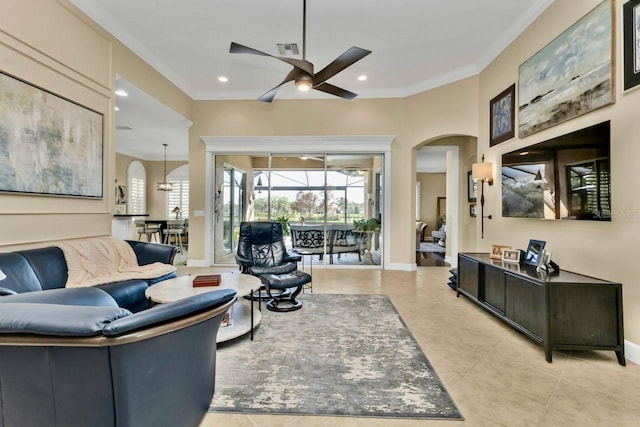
(482, 172)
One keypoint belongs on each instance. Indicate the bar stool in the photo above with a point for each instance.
(175, 228)
(149, 230)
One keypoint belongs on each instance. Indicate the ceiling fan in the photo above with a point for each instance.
(302, 72)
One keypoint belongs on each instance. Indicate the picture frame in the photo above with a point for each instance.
(121, 194)
(571, 76)
(502, 116)
(511, 255)
(472, 188)
(540, 266)
(497, 250)
(533, 253)
(120, 209)
(60, 154)
(631, 43)
(472, 210)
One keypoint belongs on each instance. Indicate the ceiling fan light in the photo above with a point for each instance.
(303, 85)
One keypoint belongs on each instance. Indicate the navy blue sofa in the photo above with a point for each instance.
(45, 268)
(77, 357)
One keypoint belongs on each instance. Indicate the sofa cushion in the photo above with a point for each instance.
(91, 297)
(56, 319)
(49, 265)
(20, 277)
(129, 294)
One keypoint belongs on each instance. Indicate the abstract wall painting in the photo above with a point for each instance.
(571, 76)
(48, 144)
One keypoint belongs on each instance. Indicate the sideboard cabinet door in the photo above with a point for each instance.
(494, 287)
(468, 276)
(524, 304)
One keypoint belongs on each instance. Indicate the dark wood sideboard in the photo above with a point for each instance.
(563, 310)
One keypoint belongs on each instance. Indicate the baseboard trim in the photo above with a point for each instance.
(632, 352)
(400, 266)
(197, 263)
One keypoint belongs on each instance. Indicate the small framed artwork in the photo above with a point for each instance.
(497, 250)
(511, 255)
(631, 21)
(502, 116)
(120, 209)
(472, 210)
(121, 194)
(533, 252)
(472, 188)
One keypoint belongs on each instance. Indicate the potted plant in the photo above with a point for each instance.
(284, 221)
(366, 225)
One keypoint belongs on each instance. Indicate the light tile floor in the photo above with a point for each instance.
(496, 376)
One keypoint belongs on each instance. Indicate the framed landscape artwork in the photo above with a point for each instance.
(502, 110)
(631, 20)
(48, 144)
(571, 76)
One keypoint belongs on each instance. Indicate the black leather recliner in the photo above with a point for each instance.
(261, 249)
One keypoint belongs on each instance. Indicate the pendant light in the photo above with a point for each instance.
(259, 184)
(164, 185)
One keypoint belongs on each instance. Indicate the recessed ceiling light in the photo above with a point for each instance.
(362, 77)
(116, 108)
(121, 92)
(223, 79)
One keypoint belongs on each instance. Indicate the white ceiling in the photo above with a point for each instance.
(143, 124)
(416, 44)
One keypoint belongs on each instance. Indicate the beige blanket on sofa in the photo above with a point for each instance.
(98, 260)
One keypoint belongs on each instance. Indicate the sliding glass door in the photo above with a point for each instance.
(336, 196)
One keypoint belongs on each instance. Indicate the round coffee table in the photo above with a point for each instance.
(239, 314)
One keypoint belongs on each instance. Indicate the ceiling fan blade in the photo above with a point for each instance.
(305, 66)
(239, 48)
(335, 90)
(268, 96)
(350, 57)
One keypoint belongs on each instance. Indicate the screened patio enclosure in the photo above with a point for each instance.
(330, 204)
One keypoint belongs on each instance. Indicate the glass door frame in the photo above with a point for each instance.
(233, 189)
(265, 145)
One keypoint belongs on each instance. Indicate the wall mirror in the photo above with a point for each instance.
(567, 177)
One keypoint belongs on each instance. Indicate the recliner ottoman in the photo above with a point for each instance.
(296, 279)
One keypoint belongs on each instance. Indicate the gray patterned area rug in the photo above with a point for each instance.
(340, 355)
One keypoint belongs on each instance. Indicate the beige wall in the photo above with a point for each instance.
(335, 117)
(75, 64)
(602, 249)
(80, 63)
